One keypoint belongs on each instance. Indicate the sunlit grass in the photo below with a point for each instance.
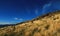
(47, 26)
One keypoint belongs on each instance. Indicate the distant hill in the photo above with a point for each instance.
(45, 25)
(5, 25)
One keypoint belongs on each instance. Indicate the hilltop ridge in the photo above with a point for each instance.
(45, 25)
(41, 16)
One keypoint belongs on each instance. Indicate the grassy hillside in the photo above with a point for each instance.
(46, 25)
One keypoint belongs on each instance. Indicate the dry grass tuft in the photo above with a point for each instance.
(47, 25)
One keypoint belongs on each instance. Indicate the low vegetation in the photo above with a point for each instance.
(47, 25)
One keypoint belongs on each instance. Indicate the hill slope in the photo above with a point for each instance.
(46, 25)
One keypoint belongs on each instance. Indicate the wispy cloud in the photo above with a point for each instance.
(18, 18)
(46, 7)
(36, 11)
(5, 23)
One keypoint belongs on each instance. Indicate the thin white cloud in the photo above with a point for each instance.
(36, 12)
(18, 19)
(46, 7)
(5, 23)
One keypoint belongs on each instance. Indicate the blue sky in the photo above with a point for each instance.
(14, 11)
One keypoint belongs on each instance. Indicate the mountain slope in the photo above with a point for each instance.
(46, 25)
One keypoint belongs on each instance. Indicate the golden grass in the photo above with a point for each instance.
(46, 26)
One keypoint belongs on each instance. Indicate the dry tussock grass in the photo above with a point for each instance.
(46, 26)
